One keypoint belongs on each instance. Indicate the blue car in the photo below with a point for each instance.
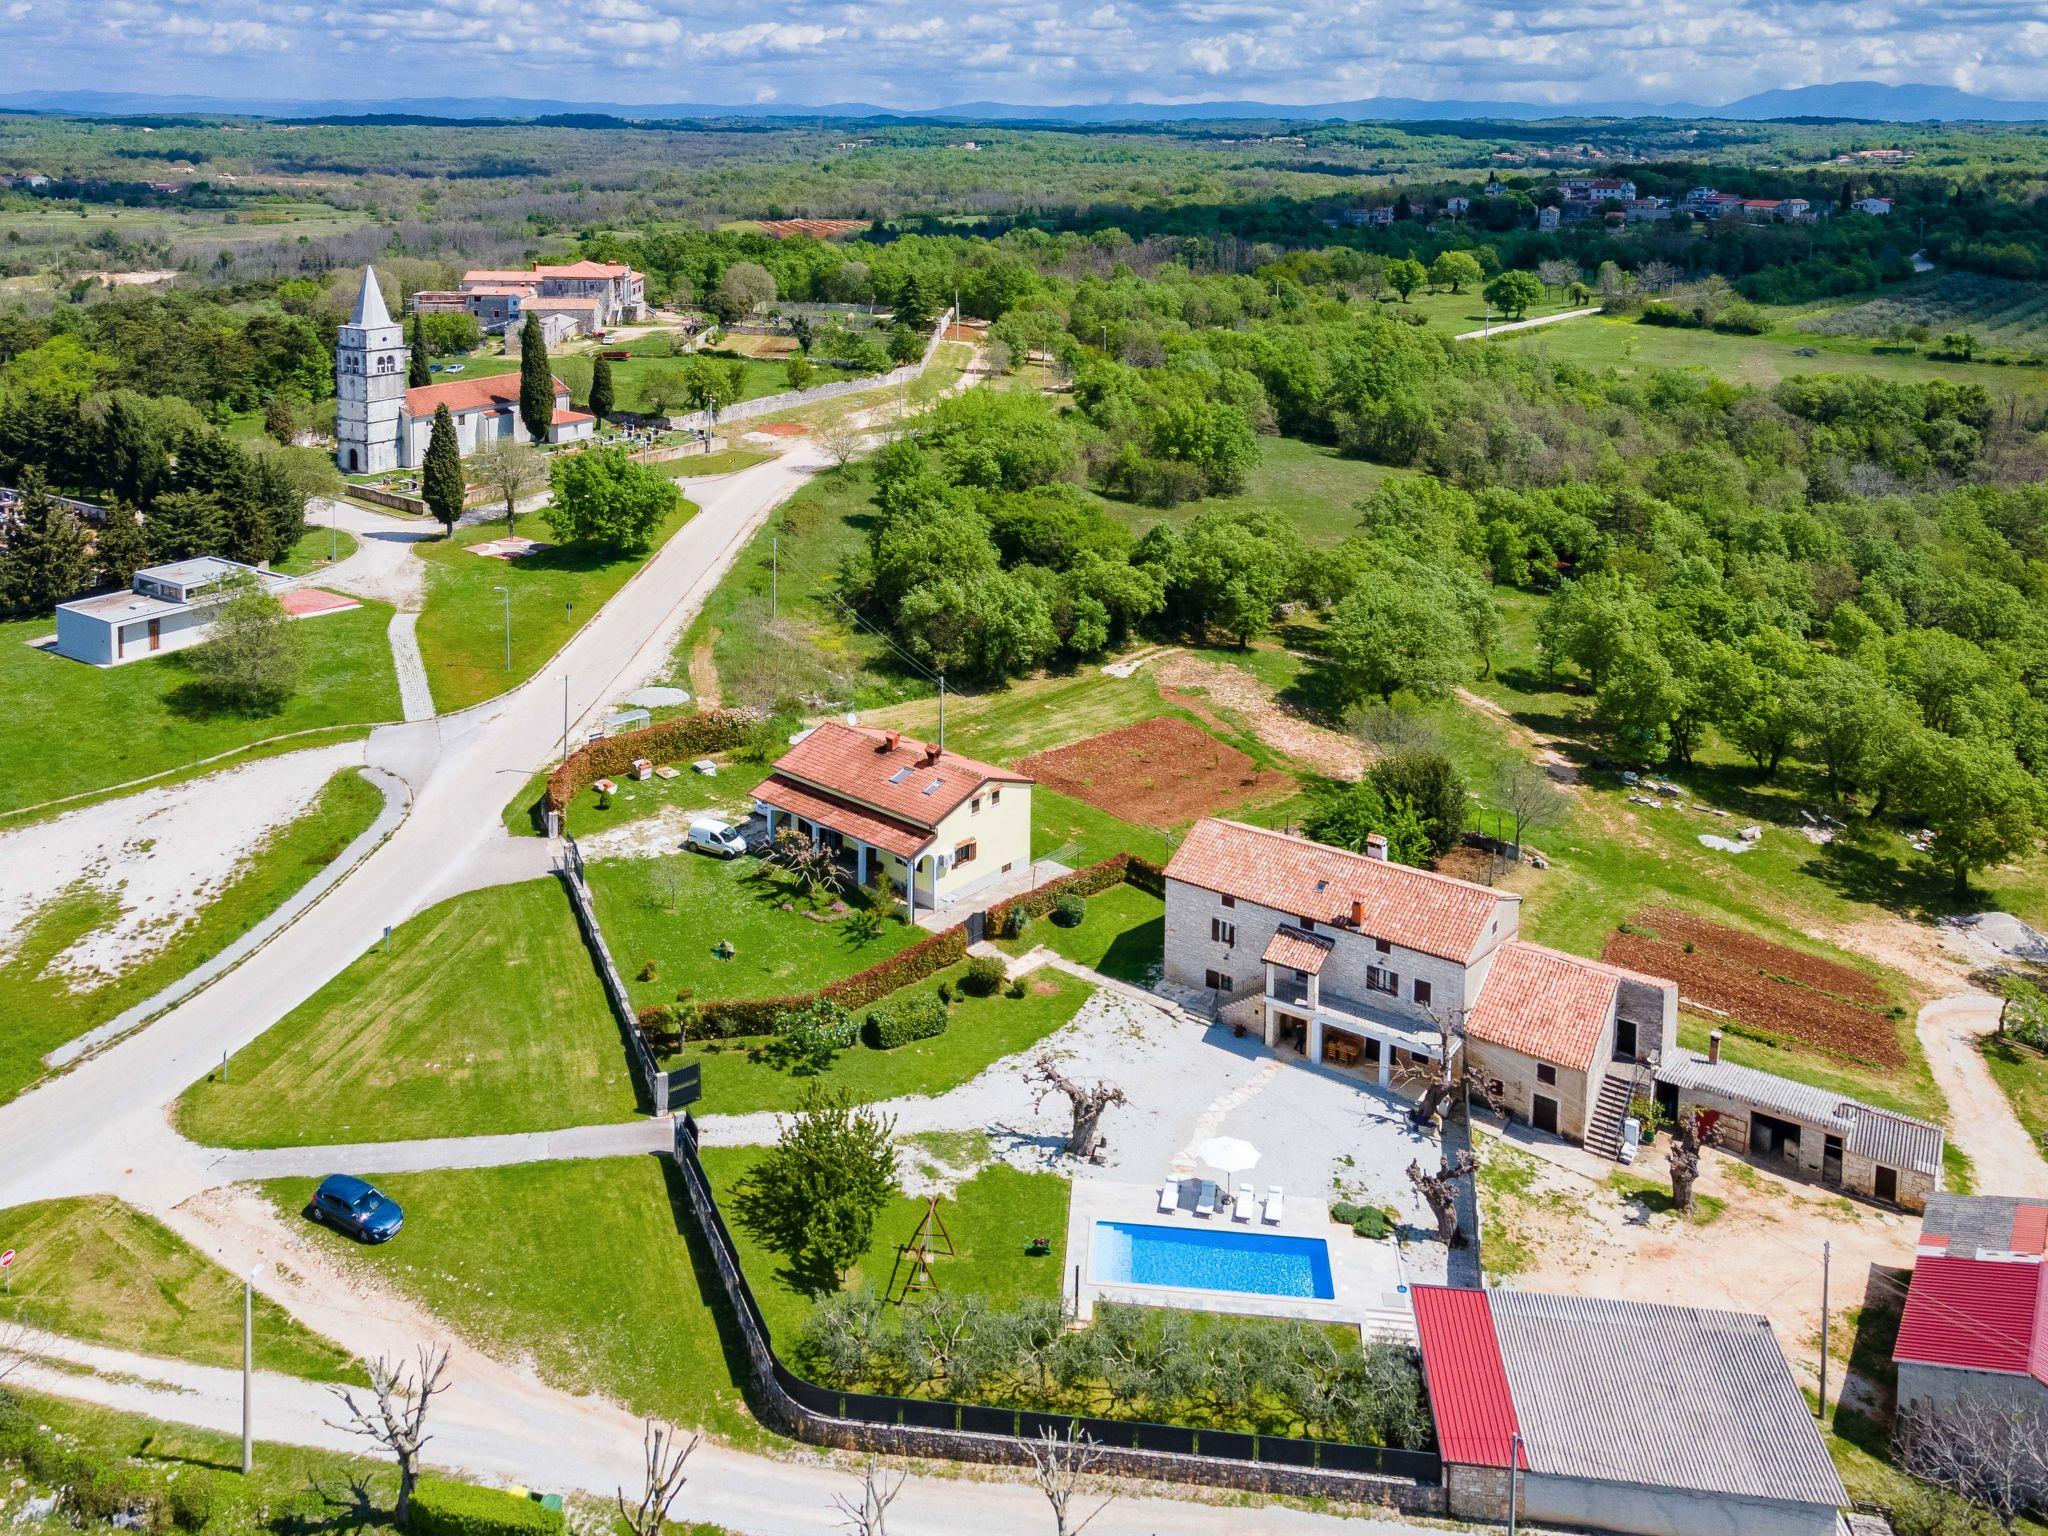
(349, 1205)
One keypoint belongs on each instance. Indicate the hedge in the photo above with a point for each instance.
(684, 737)
(1006, 919)
(731, 1017)
(914, 1018)
(463, 1509)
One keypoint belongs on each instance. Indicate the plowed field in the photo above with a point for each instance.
(1160, 772)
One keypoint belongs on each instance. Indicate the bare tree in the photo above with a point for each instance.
(1993, 1453)
(512, 471)
(398, 1422)
(1087, 1101)
(1557, 274)
(1693, 1125)
(1658, 275)
(868, 1516)
(1059, 1463)
(1440, 1190)
(811, 863)
(662, 1480)
(1527, 793)
(840, 439)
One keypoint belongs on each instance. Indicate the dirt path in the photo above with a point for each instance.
(1316, 746)
(1980, 1119)
(704, 673)
(1543, 748)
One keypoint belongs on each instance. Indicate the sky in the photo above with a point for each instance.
(923, 53)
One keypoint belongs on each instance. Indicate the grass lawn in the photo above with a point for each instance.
(980, 1032)
(485, 1017)
(736, 900)
(123, 723)
(2022, 1072)
(1123, 935)
(462, 628)
(1309, 484)
(630, 380)
(97, 1270)
(725, 461)
(586, 1268)
(309, 557)
(992, 1219)
(42, 1012)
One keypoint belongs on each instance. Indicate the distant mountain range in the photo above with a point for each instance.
(1858, 100)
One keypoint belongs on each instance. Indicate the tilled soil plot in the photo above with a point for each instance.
(1766, 986)
(1160, 772)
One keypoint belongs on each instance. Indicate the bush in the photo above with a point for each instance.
(95, 1491)
(756, 1016)
(808, 1039)
(197, 1499)
(1070, 909)
(899, 1023)
(985, 973)
(1006, 919)
(1368, 1221)
(462, 1509)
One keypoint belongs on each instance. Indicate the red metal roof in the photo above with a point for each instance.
(1468, 1382)
(1975, 1314)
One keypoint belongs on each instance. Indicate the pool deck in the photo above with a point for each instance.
(1366, 1276)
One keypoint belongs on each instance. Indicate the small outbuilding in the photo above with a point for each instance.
(1621, 1416)
(164, 608)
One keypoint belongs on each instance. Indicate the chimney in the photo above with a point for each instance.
(931, 755)
(1375, 846)
(1714, 1045)
(1358, 915)
(890, 740)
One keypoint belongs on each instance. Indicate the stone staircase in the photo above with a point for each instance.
(1392, 1322)
(1603, 1132)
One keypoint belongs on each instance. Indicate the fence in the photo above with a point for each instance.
(860, 1421)
(658, 1089)
(789, 399)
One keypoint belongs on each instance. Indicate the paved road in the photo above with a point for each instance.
(1523, 325)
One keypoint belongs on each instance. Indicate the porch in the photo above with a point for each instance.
(1352, 1035)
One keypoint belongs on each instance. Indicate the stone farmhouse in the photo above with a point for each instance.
(380, 424)
(1349, 960)
(1975, 1329)
(934, 825)
(587, 296)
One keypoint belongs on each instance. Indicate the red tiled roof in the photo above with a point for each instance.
(858, 764)
(1975, 1314)
(517, 275)
(1416, 908)
(1302, 951)
(568, 418)
(1468, 1380)
(585, 269)
(1544, 1003)
(499, 389)
(898, 837)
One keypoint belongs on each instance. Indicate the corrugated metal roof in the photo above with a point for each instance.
(1969, 1225)
(1468, 1386)
(1668, 1397)
(1899, 1141)
(1974, 1314)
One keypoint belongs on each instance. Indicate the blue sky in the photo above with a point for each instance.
(915, 53)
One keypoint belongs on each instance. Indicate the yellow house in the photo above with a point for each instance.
(933, 824)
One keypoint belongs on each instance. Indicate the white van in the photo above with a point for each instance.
(716, 836)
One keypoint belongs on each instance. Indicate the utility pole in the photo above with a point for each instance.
(249, 1370)
(1514, 1473)
(942, 711)
(1827, 1251)
(506, 594)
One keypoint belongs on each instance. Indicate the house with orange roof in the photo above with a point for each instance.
(595, 295)
(1345, 959)
(905, 815)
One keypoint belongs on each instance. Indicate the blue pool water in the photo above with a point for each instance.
(1212, 1259)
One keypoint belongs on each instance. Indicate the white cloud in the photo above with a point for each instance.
(930, 52)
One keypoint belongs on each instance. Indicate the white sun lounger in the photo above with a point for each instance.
(1205, 1202)
(1273, 1205)
(1241, 1208)
(1169, 1197)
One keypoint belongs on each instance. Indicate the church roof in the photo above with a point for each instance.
(370, 310)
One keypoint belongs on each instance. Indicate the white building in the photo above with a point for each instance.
(595, 295)
(1598, 189)
(1878, 206)
(165, 608)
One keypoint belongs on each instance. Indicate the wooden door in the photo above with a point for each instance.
(1888, 1185)
(156, 634)
(1543, 1113)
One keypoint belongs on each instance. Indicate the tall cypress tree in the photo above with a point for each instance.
(601, 387)
(48, 558)
(418, 373)
(441, 481)
(536, 381)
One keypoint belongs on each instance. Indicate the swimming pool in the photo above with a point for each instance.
(1211, 1259)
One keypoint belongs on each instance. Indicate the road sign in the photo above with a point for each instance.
(6, 1258)
(6, 1268)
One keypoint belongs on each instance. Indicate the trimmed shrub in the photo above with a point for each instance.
(985, 973)
(1071, 910)
(1369, 1221)
(686, 736)
(912, 1018)
(463, 1509)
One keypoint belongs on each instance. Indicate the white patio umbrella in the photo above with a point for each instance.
(1228, 1154)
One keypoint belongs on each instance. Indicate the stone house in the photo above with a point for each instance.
(1804, 1131)
(932, 824)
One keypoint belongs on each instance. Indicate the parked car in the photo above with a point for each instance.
(456, 367)
(349, 1205)
(717, 837)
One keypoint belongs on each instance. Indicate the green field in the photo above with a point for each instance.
(317, 549)
(119, 724)
(485, 1017)
(980, 1032)
(2001, 313)
(462, 628)
(1123, 935)
(43, 1012)
(1310, 484)
(726, 461)
(664, 937)
(100, 1271)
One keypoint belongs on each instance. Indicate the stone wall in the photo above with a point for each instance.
(1516, 1075)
